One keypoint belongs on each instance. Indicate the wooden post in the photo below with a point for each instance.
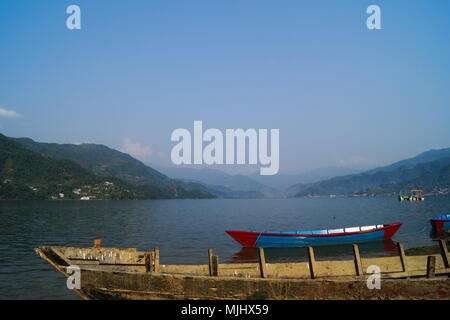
(312, 262)
(97, 243)
(262, 263)
(401, 252)
(358, 264)
(156, 260)
(215, 265)
(210, 255)
(149, 262)
(431, 266)
(444, 253)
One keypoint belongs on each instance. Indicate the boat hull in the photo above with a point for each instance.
(441, 223)
(104, 285)
(116, 273)
(298, 239)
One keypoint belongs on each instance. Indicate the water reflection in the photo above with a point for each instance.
(439, 235)
(336, 252)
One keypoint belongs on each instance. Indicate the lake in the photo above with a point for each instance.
(185, 229)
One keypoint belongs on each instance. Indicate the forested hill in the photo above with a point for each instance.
(32, 170)
(27, 175)
(418, 172)
(436, 182)
(101, 160)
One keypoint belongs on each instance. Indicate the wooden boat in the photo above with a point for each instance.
(314, 238)
(114, 273)
(441, 223)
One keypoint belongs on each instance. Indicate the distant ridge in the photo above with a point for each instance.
(26, 175)
(285, 181)
(412, 169)
(427, 156)
(106, 162)
(254, 185)
(222, 184)
(436, 182)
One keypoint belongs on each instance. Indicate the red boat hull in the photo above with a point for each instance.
(311, 238)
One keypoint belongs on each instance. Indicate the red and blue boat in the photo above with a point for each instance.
(314, 238)
(441, 223)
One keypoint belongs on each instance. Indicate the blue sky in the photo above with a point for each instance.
(341, 95)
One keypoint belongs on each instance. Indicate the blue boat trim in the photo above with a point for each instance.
(444, 217)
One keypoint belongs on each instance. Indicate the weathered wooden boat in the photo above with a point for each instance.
(441, 223)
(314, 238)
(112, 273)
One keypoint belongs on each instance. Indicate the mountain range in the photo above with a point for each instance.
(220, 183)
(35, 170)
(284, 181)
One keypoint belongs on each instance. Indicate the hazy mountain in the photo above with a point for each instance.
(286, 181)
(408, 169)
(296, 189)
(222, 183)
(107, 162)
(221, 191)
(25, 175)
(426, 156)
(430, 182)
(254, 185)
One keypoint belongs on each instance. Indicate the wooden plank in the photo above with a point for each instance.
(149, 261)
(416, 273)
(262, 263)
(401, 252)
(210, 254)
(312, 262)
(156, 260)
(61, 256)
(358, 264)
(444, 252)
(215, 266)
(417, 265)
(431, 266)
(104, 255)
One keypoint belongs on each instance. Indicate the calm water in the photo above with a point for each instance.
(185, 229)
